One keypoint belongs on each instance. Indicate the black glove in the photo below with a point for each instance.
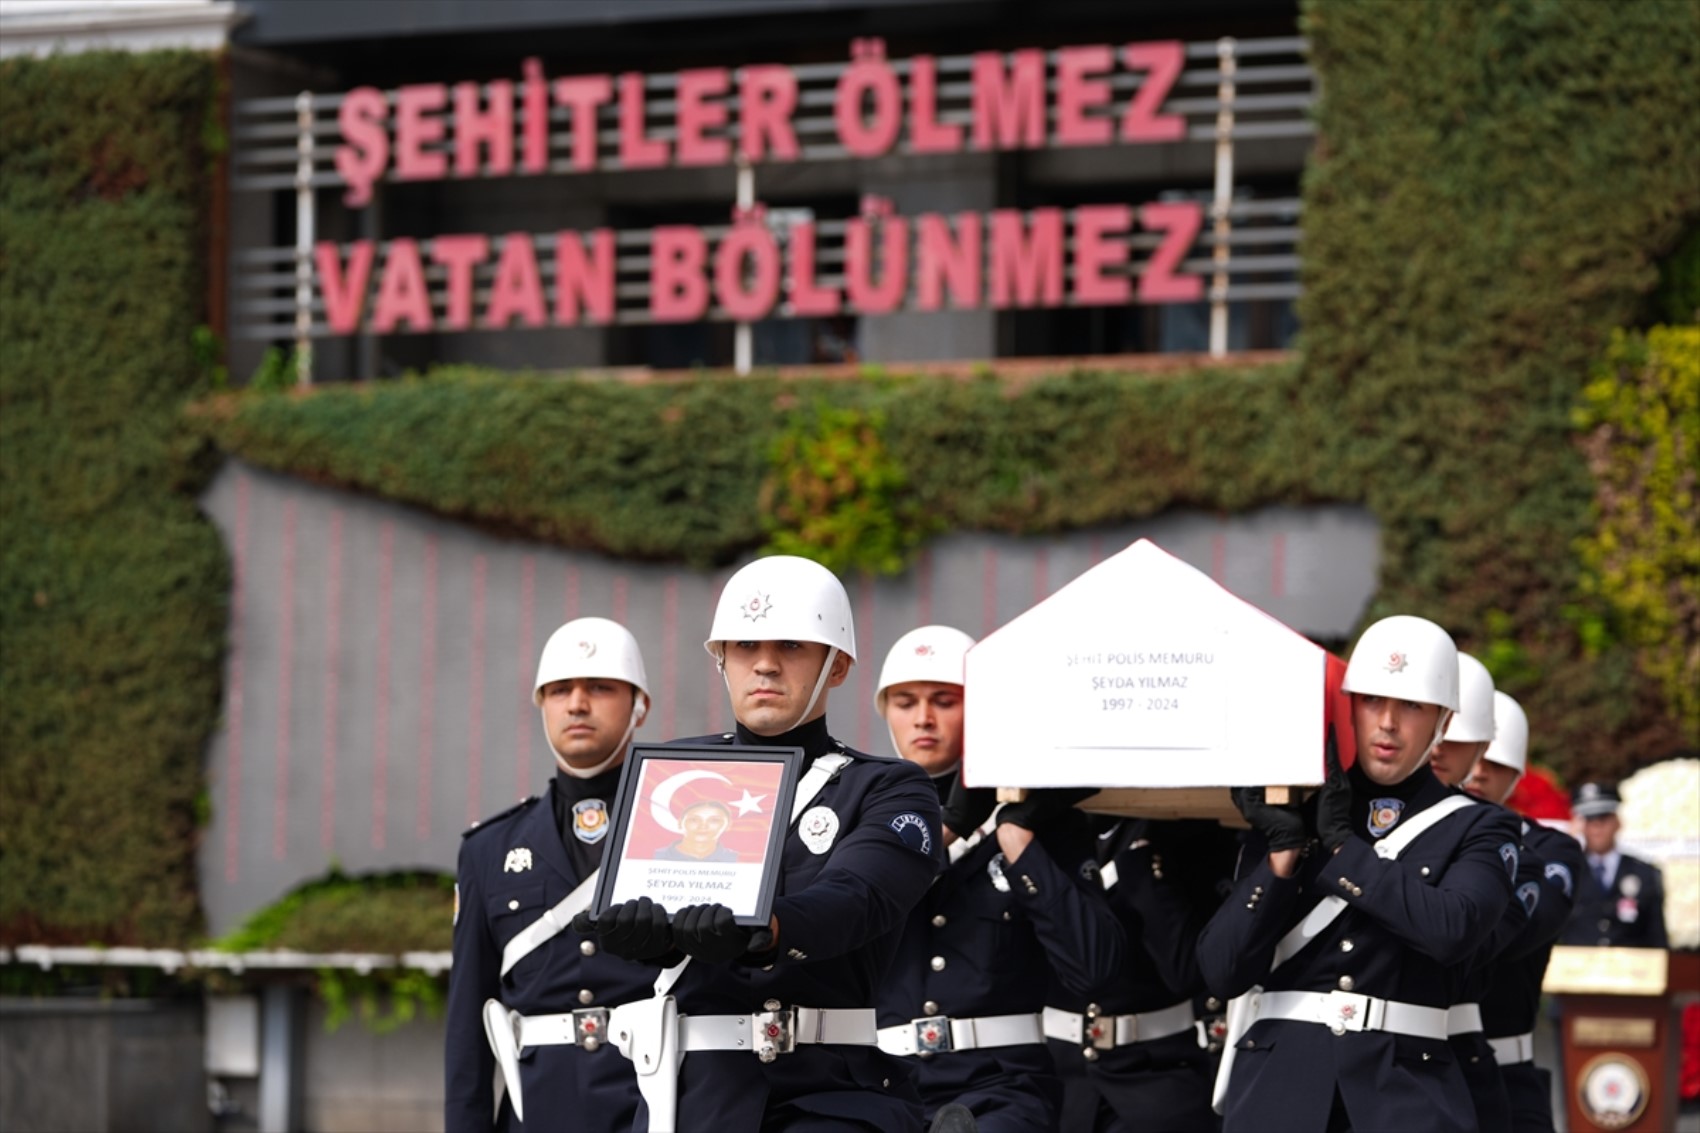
(1283, 827)
(711, 934)
(1333, 816)
(1044, 806)
(631, 930)
(966, 807)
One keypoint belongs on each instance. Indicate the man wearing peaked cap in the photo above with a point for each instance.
(1620, 900)
(529, 996)
(1344, 942)
(775, 1028)
(1020, 902)
(1511, 995)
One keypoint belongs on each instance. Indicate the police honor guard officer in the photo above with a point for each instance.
(1136, 1052)
(1348, 952)
(1620, 900)
(1512, 996)
(776, 1027)
(1019, 900)
(527, 994)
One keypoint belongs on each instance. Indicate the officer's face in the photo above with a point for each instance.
(770, 682)
(1599, 833)
(586, 717)
(1393, 736)
(925, 718)
(1453, 759)
(1491, 781)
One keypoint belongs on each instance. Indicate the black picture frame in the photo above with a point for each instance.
(671, 876)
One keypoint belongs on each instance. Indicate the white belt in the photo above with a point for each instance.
(1513, 1049)
(1464, 1019)
(586, 1027)
(936, 1034)
(1342, 1011)
(775, 1031)
(1107, 1031)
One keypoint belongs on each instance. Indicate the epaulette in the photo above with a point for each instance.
(488, 822)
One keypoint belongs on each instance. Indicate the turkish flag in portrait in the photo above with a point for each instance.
(742, 793)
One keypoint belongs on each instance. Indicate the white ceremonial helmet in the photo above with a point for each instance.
(1406, 658)
(1474, 722)
(593, 648)
(931, 653)
(1510, 746)
(783, 598)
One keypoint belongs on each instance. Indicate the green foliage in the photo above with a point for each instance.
(1492, 187)
(395, 912)
(113, 588)
(383, 912)
(1640, 418)
(836, 494)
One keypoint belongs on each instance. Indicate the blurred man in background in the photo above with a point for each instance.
(1620, 900)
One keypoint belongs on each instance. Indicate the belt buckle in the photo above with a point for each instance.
(590, 1026)
(1101, 1031)
(932, 1035)
(775, 1031)
(1345, 1011)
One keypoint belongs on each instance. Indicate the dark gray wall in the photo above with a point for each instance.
(84, 1066)
(379, 679)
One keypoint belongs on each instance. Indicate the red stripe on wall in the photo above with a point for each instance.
(1097, 550)
(988, 591)
(233, 714)
(381, 706)
(865, 671)
(572, 592)
(716, 683)
(1218, 557)
(1041, 575)
(1278, 564)
(285, 690)
(669, 656)
(622, 585)
(924, 589)
(427, 699)
(475, 694)
(330, 681)
(527, 665)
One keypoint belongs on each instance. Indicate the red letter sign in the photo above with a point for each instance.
(677, 291)
(1093, 252)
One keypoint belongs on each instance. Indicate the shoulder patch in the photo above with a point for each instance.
(1530, 894)
(1559, 872)
(914, 832)
(1508, 855)
(498, 816)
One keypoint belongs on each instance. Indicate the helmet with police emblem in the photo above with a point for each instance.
(1407, 658)
(931, 653)
(1474, 720)
(783, 598)
(1510, 746)
(591, 648)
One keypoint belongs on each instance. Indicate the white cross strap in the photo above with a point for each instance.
(551, 924)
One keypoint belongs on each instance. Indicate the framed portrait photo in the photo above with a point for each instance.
(700, 826)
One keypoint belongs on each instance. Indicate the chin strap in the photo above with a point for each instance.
(1440, 726)
(640, 707)
(832, 652)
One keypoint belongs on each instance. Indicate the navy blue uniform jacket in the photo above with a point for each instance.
(1631, 914)
(564, 1087)
(1409, 928)
(973, 948)
(1166, 890)
(840, 915)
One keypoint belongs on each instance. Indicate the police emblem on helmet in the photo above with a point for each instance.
(587, 649)
(757, 605)
(923, 650)
(1396, 662)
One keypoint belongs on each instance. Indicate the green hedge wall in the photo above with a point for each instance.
(1493, 188)
(113, 589)
(1493, 192)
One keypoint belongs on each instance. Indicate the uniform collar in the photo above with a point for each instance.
(539, 832)
(811, 737)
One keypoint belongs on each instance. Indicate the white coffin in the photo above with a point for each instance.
(1144, 673)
